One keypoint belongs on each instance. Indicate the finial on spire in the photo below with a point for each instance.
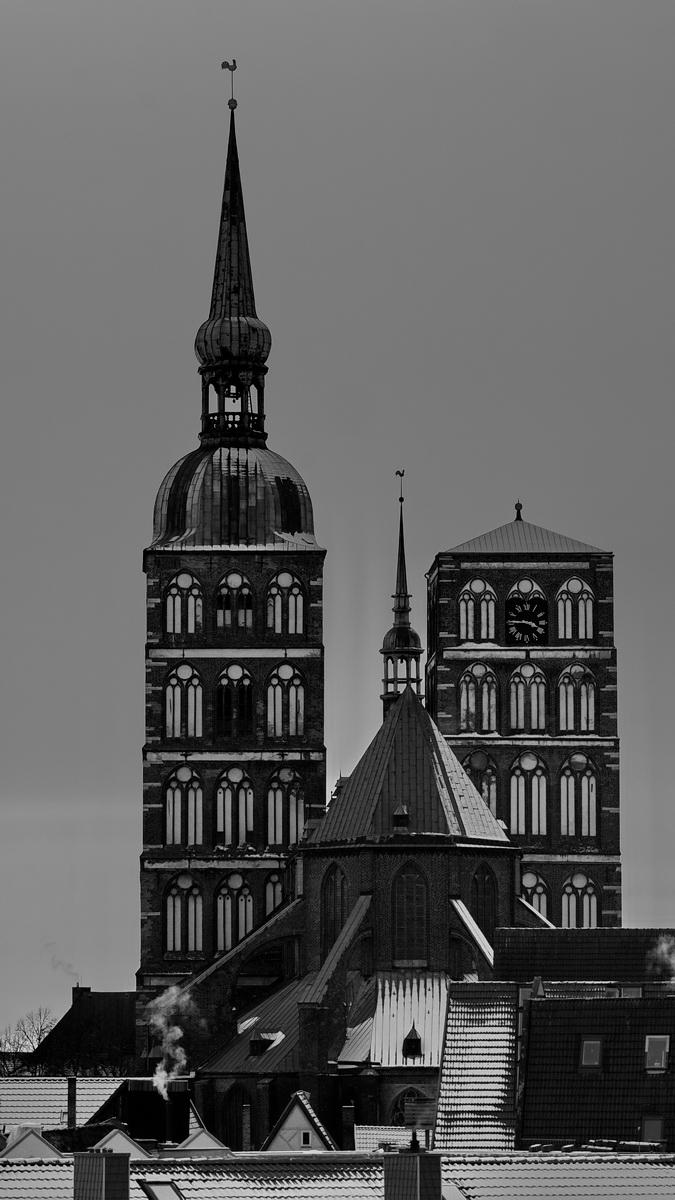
(401, 647)
(231, 67)
(519, 509)
(400, 498)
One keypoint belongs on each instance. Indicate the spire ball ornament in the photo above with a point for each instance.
(231, 67)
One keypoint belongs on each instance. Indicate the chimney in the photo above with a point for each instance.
(72, 1102)
(412, 1175)
(101, 1175)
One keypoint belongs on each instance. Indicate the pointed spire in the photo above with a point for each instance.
(401, 647)
(233, 344)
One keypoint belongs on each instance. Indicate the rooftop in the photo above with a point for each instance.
(521, 537)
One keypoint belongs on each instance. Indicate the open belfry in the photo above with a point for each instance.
(322, 948)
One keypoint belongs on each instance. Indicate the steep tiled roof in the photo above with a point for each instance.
(563, 1102)
(610, 954)
(562, 1177)
(476, 1095)
(277, 1013)
(37, 1180)
(43, 1100)
(269, 1176)
(408, 763)
(299, 1101)
(368, 1137)
(520, 537)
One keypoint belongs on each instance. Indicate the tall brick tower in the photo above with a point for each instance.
(521, 679)
(234, 760)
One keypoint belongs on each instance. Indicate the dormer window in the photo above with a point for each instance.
(591, 1054)
(401, 817)
(412, 1044)
(657, 1050)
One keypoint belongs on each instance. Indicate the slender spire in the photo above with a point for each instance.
(401, 647)
(233, 344)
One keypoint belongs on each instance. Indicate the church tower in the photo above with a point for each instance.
(401, 648)
(234, 760)
(521, 680)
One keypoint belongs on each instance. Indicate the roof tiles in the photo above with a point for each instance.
(43, 1100)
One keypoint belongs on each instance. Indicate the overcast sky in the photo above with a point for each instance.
(461, 219)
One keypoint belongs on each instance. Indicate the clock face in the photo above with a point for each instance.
(526, 619)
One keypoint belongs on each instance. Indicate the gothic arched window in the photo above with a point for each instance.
(234, 703)
(483, 774)
(183, 703)
(578, 798)
(285, 809)
(580, 907)
(527, 699)
(535, 892)
(406, 1099)
(575, 611)
(334, 904)
(529, 796)
(286, 604)
(484, 901)
(478, 700)
(576, 700)
(183, 916)
(273, 893)
(234, 912)
(183, 809)
(184, 605)
(234, 808)
(477, 603)
(285, 703)
(410, 916)
(234, 604)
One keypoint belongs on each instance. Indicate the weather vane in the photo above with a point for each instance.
(401, 474)
(231, 67)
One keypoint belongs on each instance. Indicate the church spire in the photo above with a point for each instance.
(233, 344)
(401, 648)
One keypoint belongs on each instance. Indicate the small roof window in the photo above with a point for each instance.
(657, 1049)
(591, 1053)
(412, 1044)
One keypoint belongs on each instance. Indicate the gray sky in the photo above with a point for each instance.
(461, 225)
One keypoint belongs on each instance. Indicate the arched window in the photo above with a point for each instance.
(576, 700)
(535, 892)
(234, 603)
(580, 907)
(183, 605)
(234, 912)
(183, 703)
(478, 700)
(410, 917)
(578, 798)
(484, 901)
(286, 604)
(183, 809)
(183, 929)
(483, 774)
(234, 703)
(334, 904)
(528, 797)
(285, 703)
(406, 1100)
(477, 603)
(234, 808)
(575, 611)
(285, 809)
(527, 699)
(273, 894)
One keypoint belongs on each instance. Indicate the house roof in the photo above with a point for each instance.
(277, 1014)
(408, 763)
(29, 1144)
(43, 1100)
(301, 1101)
(369, 1137)
(521, 537)
(476, 1092)
(562, 1102)
(607, 954)
(562, 1177)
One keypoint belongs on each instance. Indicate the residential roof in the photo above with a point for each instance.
(277, 1014)
(369, 1137)
(408, 763)
(562, 1177)
(267, 1176)
(43, 1100)
(562, 1101)
(476, 1094)
(605, 953)
(521, 537)
(301, 1104)
(29, 1144)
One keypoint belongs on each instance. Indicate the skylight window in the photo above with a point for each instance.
(591, 1053)
(657, 1048)
(160, 1189)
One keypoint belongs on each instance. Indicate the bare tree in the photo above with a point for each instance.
(18, 1042)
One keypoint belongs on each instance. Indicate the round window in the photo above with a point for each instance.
(234, 580)
(183, 671)
(184, 580)
(477, 586)
(284, 580)
(183, 774)
(528, 761)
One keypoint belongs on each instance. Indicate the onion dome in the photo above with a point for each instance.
(225, 495)
(233, 344)
(402, 647)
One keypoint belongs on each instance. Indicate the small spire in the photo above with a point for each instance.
(402, 596)
(401, 647)
(519, 509)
